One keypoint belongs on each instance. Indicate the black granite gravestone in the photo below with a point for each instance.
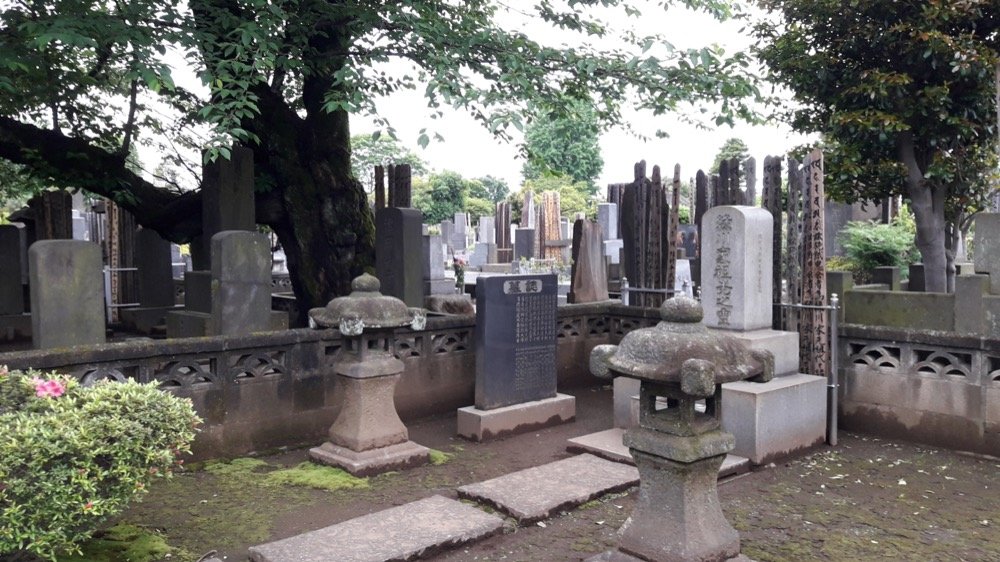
(515, 339)
(399, 252)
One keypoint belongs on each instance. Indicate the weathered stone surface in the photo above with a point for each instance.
(986, 258)
(398, 253)
(524, 243)
(515, 339)
(399, 456)
(12, 246)
(435, 283)
(67, 293)
(537, 493)
(970, 292)
(450, 304)
(608, 444)
(483, 425)
(775, 419)
(784, 346)
(241, 282)
(410, 531)
(736, 268)
(588, 274)
(607, 217)
(227, 200)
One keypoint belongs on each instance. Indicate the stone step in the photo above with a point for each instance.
(537, 493)
(608, 445)
(412, 530)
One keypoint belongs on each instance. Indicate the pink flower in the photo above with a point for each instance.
(4, 371)
(48, 388)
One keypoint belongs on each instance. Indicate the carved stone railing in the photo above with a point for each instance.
(933, 387)
(273, 389)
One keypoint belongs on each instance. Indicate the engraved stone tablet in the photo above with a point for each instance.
(736, 261)
(515, 339)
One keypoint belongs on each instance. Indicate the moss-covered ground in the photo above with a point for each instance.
(867, 499)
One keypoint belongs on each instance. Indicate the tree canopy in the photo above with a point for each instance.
(490, 188)
(732, 148)
(82, 81)
(904, 94)
(565, 144)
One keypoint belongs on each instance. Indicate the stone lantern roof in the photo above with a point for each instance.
(366, 307)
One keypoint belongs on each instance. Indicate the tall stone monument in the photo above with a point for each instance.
(515, 359)
(589, 276)
(398, 253)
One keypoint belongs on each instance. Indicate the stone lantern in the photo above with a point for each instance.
(368, 437)
(679, 450)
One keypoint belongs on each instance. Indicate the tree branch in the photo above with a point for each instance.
(74, 162)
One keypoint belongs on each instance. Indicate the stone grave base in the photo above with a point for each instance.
(441, 286)
(374, 461)
(15, 327)
(191, 324)
(608, 444)
(482, 425)
(775, 419)
(784, 346)
(496, 268)
(143, 320)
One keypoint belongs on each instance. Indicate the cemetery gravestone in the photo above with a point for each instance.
(736, 292)
(435, 283)
(398, 252)
(515, 359)
(524, 243)
(11, 287)
(241, 282)
(589, 276)
(607, 217)
(67, 293)
(986, 258)
(156, 280)
(515, 339)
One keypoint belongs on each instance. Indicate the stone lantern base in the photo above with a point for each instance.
(368, 437)
(677, 517)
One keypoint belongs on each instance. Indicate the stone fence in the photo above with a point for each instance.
(927, 386)
(275, 389)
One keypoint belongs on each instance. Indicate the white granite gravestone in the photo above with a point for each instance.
(736, 268)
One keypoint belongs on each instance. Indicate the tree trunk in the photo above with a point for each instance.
(928, 210)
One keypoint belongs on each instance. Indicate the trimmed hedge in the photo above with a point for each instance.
(71, 456)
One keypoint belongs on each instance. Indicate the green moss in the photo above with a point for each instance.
(235, 467)
(317, 476)
(125, 543)
(440, 457)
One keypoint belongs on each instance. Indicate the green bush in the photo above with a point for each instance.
(71, 456)
(868, 245)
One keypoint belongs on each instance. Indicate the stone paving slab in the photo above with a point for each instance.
(406, 532)
(608, 445)
(537, 493)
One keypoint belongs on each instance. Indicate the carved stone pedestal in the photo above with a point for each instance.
(368, 437)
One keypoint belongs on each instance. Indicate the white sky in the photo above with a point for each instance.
(473, 152)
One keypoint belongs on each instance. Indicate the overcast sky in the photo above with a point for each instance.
(471, 151)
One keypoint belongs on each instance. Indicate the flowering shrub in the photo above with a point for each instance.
(459, 266)
(71, 456)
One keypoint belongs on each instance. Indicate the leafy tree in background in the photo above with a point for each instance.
(370, 150)
(733, 148)
(565, 143)
(490, 188)
(478, 207)
(442, 196)
(81, 82)
(904, 93)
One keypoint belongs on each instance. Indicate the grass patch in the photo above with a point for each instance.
(317, 476)
(125, 543)
(440, 457)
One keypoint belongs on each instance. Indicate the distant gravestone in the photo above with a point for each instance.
(11, 275)
(487, 230)
(227, 200)
(460, 240)
(736, 268)
(447, 228)
(607, 217)
(688, 240)
(589, 276)
(524, 243)
(153, 260)
(986, 258)
(67, 294)
(241, 282)
(483, 254)
(515, 339)
(435, 283)
(398, 253)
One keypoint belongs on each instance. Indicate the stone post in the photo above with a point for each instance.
(67, 294)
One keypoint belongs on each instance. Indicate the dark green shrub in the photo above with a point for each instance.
(71, 456)
(869, 245)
